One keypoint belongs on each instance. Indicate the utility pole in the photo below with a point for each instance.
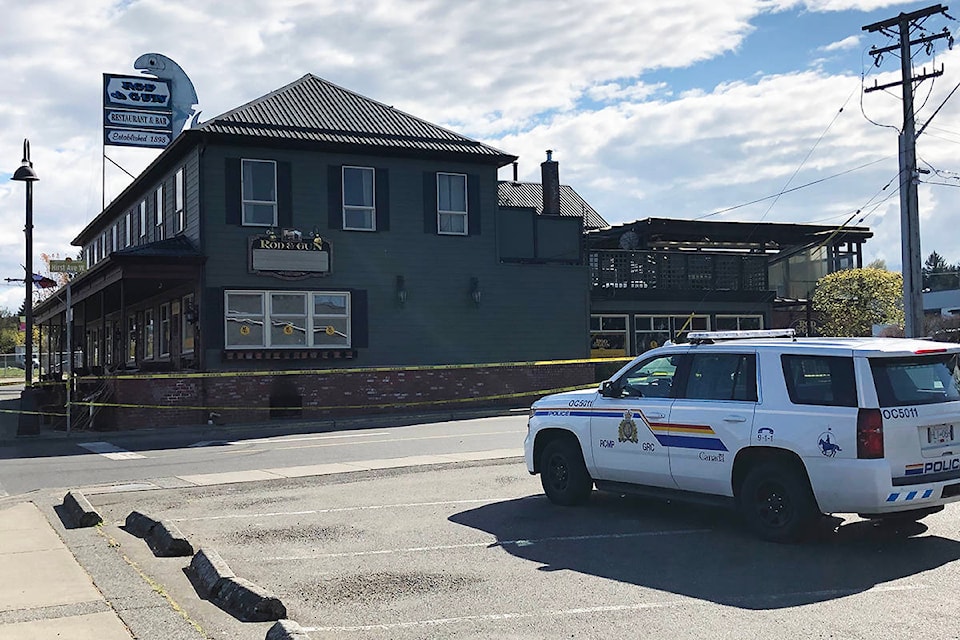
(909, 207)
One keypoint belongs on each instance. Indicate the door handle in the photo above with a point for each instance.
(735, 419)
(654, 416)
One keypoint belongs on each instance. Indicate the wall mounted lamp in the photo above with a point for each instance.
(475, 289)
(401, 290)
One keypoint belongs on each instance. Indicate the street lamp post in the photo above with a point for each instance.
(26, 174)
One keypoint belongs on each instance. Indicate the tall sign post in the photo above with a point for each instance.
(71, 268)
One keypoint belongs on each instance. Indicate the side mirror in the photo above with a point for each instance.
(607, 389)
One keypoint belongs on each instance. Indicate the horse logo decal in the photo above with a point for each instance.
(828, 448)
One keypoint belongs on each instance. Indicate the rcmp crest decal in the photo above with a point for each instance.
(628, 428)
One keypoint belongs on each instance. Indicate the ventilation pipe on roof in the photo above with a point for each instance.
(550, 182)
(516, 172)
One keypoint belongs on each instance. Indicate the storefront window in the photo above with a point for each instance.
(287, 314)
(608, 336)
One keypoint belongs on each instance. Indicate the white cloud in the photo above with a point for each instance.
(850, 42)
(559, 74)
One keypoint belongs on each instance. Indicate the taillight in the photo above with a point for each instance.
(869, 434)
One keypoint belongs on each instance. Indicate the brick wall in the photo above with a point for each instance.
(257, 397)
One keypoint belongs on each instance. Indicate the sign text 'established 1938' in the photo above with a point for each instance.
(137, 111)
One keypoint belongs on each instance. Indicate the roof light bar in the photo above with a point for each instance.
(735, 335)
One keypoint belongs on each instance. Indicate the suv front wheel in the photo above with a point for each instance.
(563, 474)
(776, 502)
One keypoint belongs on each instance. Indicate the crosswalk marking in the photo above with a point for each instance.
(110, 451)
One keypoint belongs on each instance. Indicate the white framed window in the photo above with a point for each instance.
(608, 336)
(359, 201)
(127, 230)
(115, 237)
(163, 333)
(131, 338)
(179, 197)
(738, 323)
(149, 334)
(653, 330)
(259, 192)
(88, 256)
(452, 204)
(143, 220)
(103, 246)
(287, 319)
(158, 212)
(187, 319)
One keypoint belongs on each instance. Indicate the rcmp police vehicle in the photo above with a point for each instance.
(784, 428)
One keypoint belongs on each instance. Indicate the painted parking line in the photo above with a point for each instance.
(492, 542)
(372, 507)
(581, 611)
(108, 450)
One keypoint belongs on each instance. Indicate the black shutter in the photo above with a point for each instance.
(473, 205)
(430, 202)
(284, 195)
(335, 197)
(382, 198)
(359, 330)
(232, 195)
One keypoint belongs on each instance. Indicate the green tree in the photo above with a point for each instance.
(851, 301)
(879, 263)
(938, 275)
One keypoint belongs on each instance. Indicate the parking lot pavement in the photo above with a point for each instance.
(475, 551)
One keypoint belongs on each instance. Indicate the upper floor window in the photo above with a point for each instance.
(158, 212)
(115, 237)
(259, 192)
(179, 197)
(143, 219)
(127, 229)
(359, 208)
(452, 203)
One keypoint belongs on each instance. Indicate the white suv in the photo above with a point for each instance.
(785, 429)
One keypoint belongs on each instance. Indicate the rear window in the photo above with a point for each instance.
(820, 380)
(916, 380)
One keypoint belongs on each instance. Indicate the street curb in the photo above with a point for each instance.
(163, 538)
(240, 598)
(80, 511)
(286, 630)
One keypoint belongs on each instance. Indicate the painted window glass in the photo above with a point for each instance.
(359, 208)
(608, 336)
(259, 179)
(452, 203)
(287, 314)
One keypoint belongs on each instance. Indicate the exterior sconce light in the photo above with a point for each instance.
(475, 289)
(401, 290)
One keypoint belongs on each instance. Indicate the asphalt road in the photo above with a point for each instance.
(473, 550)
(191, 456)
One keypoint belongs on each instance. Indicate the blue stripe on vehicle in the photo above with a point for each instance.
(911, 495)
(928, 493)
(691, 442)
(893, 497)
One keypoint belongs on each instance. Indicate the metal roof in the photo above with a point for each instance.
(312, 109)
(177, 247)
(530, 194)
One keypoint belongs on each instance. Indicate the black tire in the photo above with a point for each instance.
(563, 474)
(776, 502)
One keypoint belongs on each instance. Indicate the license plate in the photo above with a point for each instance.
(941, 434)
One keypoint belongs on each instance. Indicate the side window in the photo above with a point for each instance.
(650, 378)
(358, 199)
(452, 204)
(259, 192)
(722, 376)
(820, 380)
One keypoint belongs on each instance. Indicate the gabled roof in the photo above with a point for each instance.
(530, 194)
(312, 109)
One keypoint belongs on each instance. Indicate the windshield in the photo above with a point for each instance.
(916, 380)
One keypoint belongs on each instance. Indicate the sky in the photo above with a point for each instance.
(693, 109)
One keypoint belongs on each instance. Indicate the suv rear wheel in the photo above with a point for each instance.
(563, 474)
(776, 502)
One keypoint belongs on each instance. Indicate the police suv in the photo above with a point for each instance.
(784, 428)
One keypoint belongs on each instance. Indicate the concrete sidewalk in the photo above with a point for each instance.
(44, 592)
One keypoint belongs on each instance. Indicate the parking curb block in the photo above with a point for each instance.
(80, 511)
(240, 598)
(286, 630)
(164, 538)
